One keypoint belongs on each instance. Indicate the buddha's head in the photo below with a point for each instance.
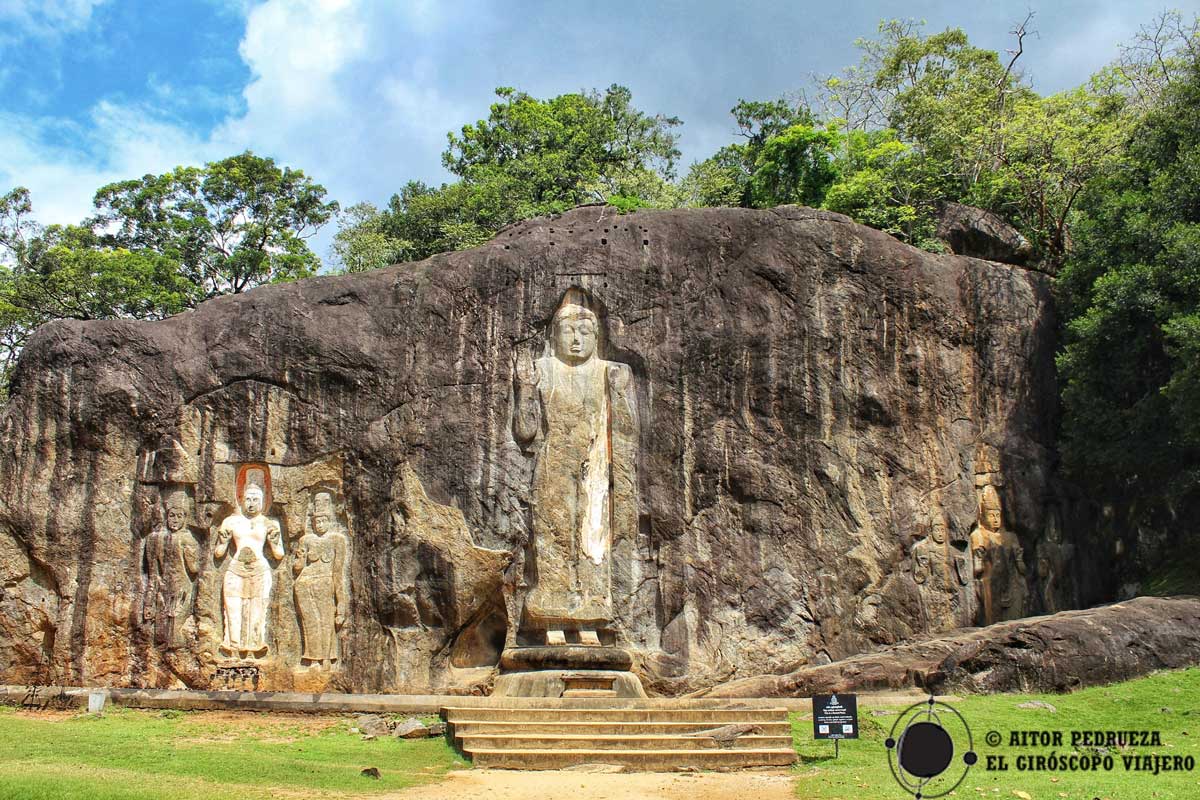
(575, 332)
(252, 500)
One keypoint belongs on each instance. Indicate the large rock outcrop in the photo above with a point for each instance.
(1055, 653)
(843, 442)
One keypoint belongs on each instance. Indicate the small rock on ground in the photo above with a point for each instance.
(1038, 704)
(373, 725)
(411, 728)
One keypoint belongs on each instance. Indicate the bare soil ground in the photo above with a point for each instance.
(499, 784)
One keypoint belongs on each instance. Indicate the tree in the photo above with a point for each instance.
(1131, 293)
(881, 185)
(158, 245)
(726, 178)
(568, 150)
(229, 226)
(73, 277)
(794, 166)
(362, 243)
(19, 245)
(533, 157)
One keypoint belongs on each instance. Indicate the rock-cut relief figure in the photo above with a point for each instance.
(246, 589)
(931, 571)
(999, 563)
(319, 564)
(172, 562)
(584, 411)
(943, 572)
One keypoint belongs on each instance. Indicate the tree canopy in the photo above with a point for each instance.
(156, 245)
(528, 157)
(1131, 293)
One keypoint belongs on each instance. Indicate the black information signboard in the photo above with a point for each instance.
(835, 716)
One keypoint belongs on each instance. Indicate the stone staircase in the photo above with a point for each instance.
(648, 738)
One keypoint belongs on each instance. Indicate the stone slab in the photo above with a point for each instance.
(570, 656)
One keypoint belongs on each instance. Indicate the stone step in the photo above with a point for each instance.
(476, 727)
(648, 760)
(714, 716)
(525, 741)
(589, 693)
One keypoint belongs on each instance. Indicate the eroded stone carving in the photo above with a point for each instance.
(246, 588)
(999, 563)
(319, 563)
(172, 561)
(579, 410)
(941, 567)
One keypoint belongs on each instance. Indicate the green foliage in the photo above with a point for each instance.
(19, 244)
(531, 157)
(1131, 292)
(454, 216)
(158, 245)
(625, 204)
(362, 243)
(75, 278)
(552, 151)
(231, 225)
(883, 186)
(727, 177)
(794, 166)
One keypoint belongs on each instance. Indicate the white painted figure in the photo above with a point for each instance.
(247, 583)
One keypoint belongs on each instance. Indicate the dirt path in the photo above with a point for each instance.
(501, 784)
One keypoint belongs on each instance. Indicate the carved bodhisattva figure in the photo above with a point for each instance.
(999, 563)
(172, 561)
(932, 574)
(319, 564)
(583, 409)
(247, 585)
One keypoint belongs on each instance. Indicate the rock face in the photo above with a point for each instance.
(841, 442)
(971, 231)
(1055, 653)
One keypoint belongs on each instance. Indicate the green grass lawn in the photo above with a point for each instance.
(1167, 702)
(133, 754)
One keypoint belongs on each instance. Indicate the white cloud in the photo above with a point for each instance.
(330, 92)
(45, 19)
(118, 142)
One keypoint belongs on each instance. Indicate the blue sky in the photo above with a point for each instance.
(360, 95)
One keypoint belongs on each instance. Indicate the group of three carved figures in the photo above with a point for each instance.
(245, 538)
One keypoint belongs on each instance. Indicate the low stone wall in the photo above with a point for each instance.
(69, 697)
